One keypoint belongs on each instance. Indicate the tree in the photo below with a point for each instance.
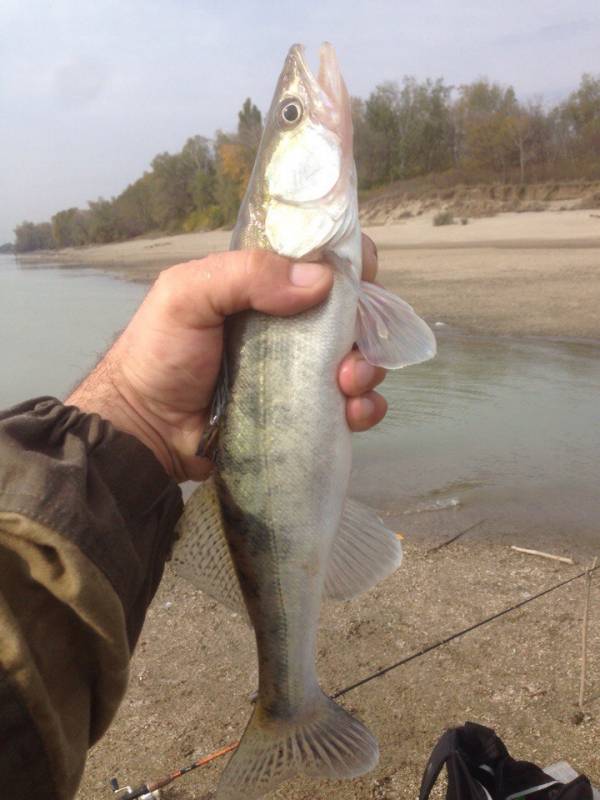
(581, 112)
(233, 173)
(103, 221)
(381, 118)
(69, 228)
(403, 131)
(31, 236)
(133, 208)
(483, 115)
(250, 127)
(182, 183)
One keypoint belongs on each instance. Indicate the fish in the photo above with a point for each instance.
(273, 532)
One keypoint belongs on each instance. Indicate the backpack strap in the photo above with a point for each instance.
(462, 785)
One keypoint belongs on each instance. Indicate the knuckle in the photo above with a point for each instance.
(169, 289)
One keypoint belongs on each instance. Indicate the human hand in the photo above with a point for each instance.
(158, 379)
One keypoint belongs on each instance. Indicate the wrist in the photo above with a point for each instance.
(100, 393)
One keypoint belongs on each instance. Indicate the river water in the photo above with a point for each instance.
(502, 433)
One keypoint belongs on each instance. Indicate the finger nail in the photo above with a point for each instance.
(304, 274)
(366, 408)
(364, 373)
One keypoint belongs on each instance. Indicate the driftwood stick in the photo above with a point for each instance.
(584, 634)
(529, 552)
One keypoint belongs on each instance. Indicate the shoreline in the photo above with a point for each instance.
(531, 274)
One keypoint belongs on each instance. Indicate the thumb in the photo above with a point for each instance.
(202, 293)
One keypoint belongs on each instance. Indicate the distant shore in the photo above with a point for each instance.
(533, 274)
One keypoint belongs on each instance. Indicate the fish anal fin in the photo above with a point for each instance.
(326, 742)
(390, 333)
(364, 552)
(201, 553)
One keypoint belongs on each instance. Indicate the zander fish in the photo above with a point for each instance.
(273, 531)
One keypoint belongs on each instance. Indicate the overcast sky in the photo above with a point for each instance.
(91, 90)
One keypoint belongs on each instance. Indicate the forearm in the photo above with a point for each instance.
(86, 522)
(103, 392)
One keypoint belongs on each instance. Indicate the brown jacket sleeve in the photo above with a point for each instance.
(86, 522)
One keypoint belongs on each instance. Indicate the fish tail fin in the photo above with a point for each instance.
(324, 742)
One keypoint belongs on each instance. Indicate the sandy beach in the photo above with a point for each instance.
(533, 274)
(189, 692)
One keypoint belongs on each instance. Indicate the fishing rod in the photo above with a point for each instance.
(150, 791)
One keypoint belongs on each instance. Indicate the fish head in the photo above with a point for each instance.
(302, 192)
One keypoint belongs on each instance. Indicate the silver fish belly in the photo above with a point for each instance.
(283, 470)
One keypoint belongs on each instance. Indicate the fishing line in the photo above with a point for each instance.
(458, 634)
(145, 791)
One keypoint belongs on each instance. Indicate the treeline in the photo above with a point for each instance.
(479, 132)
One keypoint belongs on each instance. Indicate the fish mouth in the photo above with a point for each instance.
(327, 89)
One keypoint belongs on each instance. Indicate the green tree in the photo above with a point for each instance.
(483, 115)
(133, 208)
(70, 228)
(581, 113)
(250, 127)
(382, 135)
(403, 131)
(103, 221)
(182, 183)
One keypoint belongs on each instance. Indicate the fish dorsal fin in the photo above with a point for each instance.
(364, 552)
(201, 553)
(390, 333)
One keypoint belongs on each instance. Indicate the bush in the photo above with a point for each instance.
(207, 219)
(444, 218)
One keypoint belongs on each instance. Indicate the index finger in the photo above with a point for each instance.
(369, 258)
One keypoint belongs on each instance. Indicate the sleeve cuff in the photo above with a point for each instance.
(100, 488)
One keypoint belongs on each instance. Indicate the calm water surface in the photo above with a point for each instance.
(498, 431)
(54, 326)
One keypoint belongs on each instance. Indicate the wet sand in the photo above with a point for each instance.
(533, 274)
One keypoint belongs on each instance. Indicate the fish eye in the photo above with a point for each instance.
(291, 112)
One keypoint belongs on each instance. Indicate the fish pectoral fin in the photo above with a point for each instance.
(324, 742)
(201, 553)
(364, 552)
(390, 333)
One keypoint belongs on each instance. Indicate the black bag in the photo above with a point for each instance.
(480, 768)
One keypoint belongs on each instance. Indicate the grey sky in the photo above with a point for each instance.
(91, 90)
